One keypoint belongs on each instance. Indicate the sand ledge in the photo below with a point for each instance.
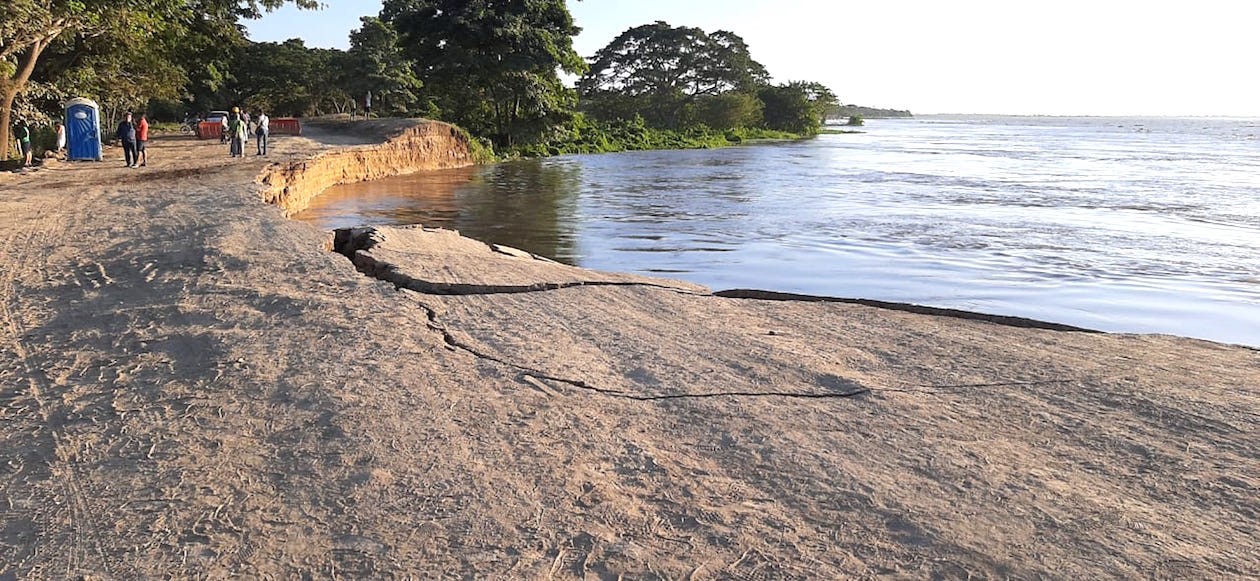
(371, 150)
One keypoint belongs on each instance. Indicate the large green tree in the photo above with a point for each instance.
(211, 45)
(289, 78)
(283, 78)
(375, 63)
(663, 73)
(798, 107)
(492, 65)
(28, 28)
(121, 71)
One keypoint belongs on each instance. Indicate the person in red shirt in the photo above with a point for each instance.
(142, 139)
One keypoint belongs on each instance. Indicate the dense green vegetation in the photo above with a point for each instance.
(491, 66)
(674, 78)
(682, 87)
(843, 111)
(583, 135)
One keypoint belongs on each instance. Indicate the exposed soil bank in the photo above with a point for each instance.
(408, 146)
(191, 386)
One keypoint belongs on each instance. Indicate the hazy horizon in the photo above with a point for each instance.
(981, 57)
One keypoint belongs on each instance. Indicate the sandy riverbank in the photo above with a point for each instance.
(370, 150)
(193, 386)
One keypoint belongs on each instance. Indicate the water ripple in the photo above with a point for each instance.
(1145, 225)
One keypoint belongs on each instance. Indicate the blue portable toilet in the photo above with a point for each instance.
(83, 129)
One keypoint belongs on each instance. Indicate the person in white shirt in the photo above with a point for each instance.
(261, 130)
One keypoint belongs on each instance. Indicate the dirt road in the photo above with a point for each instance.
(192, 386)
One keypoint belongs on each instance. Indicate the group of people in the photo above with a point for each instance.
(135, 139)
(22, 132)
(133, 134)
(237, 127)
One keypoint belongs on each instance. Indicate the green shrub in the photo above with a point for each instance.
(479, 148)
(584, 135)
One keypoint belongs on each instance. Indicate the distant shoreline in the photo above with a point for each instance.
(1047, 116)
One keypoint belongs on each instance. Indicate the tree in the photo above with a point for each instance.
(659, 72)
(491, 65)
(728, 110)
(120, 70)
(209, 49)
(820, 97)
(29, 27)
(798, 107)
(284, 78)
(375, 63)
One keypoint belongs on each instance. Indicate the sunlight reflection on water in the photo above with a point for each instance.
(1141, 225)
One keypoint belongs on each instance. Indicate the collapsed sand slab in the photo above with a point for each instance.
(441, 261)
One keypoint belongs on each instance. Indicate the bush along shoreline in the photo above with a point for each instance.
(588, 136)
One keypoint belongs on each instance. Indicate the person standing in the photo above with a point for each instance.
(262, 131)
(127, 135)
(223, 130)
(245, 119)
(236, 134)
(242, 133)
(61, 138)
(23, 135)
(142, 142)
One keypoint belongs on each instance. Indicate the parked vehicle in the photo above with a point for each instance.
(189, 125)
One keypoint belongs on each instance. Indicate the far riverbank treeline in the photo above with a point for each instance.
(493, 67)
(842, 111)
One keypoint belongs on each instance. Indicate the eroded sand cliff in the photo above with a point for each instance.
(369, 150)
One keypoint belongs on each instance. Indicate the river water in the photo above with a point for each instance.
(1116, 224)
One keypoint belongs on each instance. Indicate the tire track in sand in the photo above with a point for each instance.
(24, 251)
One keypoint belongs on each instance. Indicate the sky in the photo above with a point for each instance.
(1018, 57)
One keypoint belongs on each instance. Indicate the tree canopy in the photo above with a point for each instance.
(678, 77)
(375, 63)
(657, 59)
(491, 65)
(281, 76)
(659, 71)
(798, 107)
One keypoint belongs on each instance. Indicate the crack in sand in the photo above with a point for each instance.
(454, 342)
(533, 373)
(349, 243)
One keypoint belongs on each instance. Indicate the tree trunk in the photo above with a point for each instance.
(6, 105)
(9, 90)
